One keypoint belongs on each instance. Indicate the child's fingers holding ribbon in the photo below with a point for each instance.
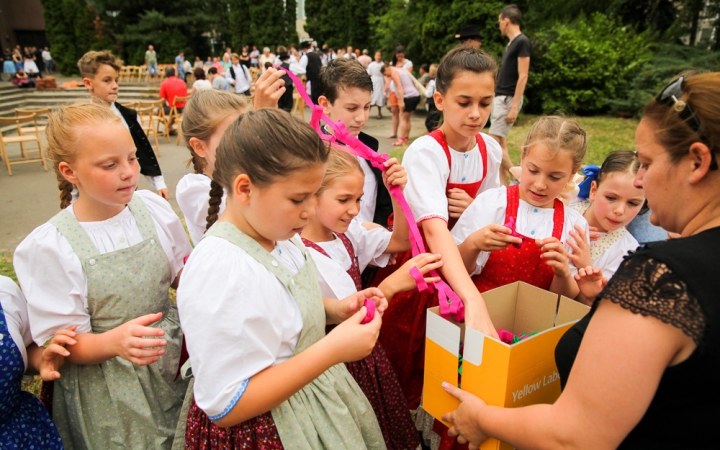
(269, 88)
(395, 174)
(352, 340)
(412, 274)
(494, 237)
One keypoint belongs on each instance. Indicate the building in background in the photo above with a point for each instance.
(22, 23)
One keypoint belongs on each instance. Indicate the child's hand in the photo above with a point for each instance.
(53, 357)
(458, 202)
(352, 304)
(494, 237)
(401, 280)
(353, 341)
(132, 345)
(580, 247)
(594, 234)
(591, 282)
(395, 174)
(555, 256)
(269, 88)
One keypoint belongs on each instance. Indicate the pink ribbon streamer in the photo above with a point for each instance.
(450, 303)
(419, 279)
(370, 315)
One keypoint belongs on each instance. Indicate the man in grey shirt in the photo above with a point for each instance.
(151, 61)
(218, 82)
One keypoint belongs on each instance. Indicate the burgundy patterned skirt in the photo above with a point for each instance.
(258, 433)
(379, 383)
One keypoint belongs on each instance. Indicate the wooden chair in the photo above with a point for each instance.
(23, 136)
(176, 118)
(298, 104)
(159, 116)
(131, 105)
(148, 125)
(142, 74)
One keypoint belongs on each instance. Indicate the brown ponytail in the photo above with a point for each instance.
(62, 137)
(216, 194)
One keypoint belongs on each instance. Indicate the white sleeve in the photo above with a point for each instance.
(304, 62)
(157, 182)
(613, 257)
(487, 208)
(369, 245)
(230, 303)
(494, 160)
(334, 281)
(428, 172)
(193, 196)
(52, 278)
(174, 241)
(16, 315)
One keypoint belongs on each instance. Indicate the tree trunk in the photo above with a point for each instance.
(694, 26)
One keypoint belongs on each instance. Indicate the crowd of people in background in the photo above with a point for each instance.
(24, 65)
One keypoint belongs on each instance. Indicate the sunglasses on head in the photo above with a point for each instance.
(671, 96)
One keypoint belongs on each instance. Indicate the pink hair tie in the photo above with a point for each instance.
(419, 279)
(370, 314)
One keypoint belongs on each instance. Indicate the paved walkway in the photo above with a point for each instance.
(30, 197)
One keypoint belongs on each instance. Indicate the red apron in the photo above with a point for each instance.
(508, 266)
(520, 264)
(403, 328)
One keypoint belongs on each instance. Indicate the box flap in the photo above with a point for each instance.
(535, 310)
(443, 332)
(570, 310)
(500, 303)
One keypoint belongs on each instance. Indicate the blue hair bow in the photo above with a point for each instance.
(591, 173)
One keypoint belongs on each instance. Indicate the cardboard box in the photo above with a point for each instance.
(501, 374)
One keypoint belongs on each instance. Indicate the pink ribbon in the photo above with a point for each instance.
(419, 279)
(450, 303)
(511, 224)
(370, 315)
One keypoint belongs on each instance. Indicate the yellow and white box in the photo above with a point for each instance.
(502, 375)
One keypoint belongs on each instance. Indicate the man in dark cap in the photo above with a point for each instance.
(470, 35)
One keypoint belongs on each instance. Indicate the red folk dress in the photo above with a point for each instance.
(376, 377)
(403, 328)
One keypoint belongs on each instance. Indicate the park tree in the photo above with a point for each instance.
(266, 23)
(71, 31)
(339, 23)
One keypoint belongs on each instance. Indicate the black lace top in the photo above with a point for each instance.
(677, 282)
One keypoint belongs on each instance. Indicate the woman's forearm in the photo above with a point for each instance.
(274, 385)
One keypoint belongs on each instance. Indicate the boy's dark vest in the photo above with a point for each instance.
(146, 156)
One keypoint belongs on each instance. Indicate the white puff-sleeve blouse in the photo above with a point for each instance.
(52, 277)
(489, 207)
(238, 319)
(193, 197)
(428, 174)
(369, 246)
(16, 316)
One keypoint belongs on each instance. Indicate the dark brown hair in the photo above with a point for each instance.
(463, 58)
(701, 91)
(199, 73)
(91, 62)
(511, 12)
(620, 161)
(264, 144)
(341, 74)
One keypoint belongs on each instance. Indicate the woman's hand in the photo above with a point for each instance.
(269, 88)
(464, 420)
(493, 237)
(580, 247)
(555, 256)
(591, 282)
(53, 356)
(458, 202)
(131, 342)
(395, 175)
(352, 340)
(401, 280)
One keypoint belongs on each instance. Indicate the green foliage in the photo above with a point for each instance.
(70, 29)
(339, 23)
(580, 67)
(668, 61)
(267, 23)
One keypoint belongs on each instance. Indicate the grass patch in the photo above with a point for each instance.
(6, 267)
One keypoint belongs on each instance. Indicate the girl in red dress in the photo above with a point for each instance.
(446, 170)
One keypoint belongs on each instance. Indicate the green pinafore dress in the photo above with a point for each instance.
(331, 412)
(117, 404)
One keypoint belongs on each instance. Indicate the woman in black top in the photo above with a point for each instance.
(642, 369)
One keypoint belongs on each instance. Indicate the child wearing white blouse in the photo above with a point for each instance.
(206, 116)
(609, 200)
(105, 264)
(342, 247)
(252, 310)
